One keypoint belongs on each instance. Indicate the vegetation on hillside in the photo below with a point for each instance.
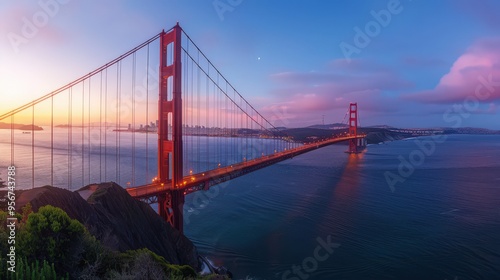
(51, 245)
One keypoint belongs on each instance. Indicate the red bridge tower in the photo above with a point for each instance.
(354, 143)
(171, 202)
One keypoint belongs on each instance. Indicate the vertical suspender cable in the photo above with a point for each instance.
(33, 147)
(133, 116)
(119, 122)
(248, 129)
(88, 134)
(52, 141)
(217, 96)
(233, 126)
(70, 136)
(147, 115)
(191, 110)
(187, 113)
(207, 91)
(100, 130)
(106, 127)
(217, 92)
(225, 116)
(116, 122)
(193, 156)
(83, 133)
(198, 86)
(119, 104)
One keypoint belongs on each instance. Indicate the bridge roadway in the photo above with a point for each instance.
(205, 180)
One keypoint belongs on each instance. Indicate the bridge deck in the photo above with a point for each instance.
(205, 180)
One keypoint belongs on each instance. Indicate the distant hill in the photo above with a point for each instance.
(308, 134)
(469, 130)
(374, 135)
(377, 134)
(328, 126)
(20, 126)
(381, 126)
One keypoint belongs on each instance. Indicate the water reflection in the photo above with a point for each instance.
(339, 215)
(350, 179)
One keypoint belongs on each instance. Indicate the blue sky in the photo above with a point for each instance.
(433, 63)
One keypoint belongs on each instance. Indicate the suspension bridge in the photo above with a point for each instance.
(160, 119)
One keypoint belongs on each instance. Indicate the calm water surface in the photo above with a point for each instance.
(442, 222)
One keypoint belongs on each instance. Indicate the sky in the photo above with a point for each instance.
(408, 63)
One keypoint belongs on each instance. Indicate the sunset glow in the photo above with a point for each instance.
(398, 74)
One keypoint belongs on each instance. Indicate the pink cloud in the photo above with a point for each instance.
(475, 74)
(17, 16)
(342, 77)
(11, 18)
(307, 95)
(306, 109)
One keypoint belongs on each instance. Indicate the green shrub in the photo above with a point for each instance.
(52, 244)
(50, 234)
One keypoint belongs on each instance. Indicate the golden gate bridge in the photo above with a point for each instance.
(99, 128)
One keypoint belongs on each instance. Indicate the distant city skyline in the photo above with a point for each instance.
(407, 63)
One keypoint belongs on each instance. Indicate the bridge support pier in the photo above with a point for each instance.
(170, 208)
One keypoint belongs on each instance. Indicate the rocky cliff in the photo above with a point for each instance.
(119, 221)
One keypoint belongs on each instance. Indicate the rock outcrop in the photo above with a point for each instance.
(119, 221)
